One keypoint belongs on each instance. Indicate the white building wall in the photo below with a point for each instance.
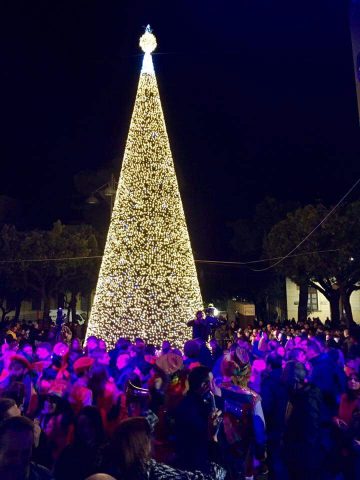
(292, 299)
(355, 305)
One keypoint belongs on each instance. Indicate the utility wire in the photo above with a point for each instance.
(312, 231)
(225, 263)
(211, 262)
(39, 260)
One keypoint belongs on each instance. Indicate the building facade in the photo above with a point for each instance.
(318, 305)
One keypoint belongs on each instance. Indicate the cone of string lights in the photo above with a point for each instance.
(147, 285)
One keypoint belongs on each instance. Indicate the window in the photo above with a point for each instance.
(313, 305)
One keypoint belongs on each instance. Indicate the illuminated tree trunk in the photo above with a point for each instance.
(147, 284)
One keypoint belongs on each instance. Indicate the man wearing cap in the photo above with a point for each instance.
(80, 395)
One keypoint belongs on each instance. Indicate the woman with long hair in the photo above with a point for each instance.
(78, 460)
(129, 456)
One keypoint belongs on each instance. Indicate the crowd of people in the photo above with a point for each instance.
(276, 401)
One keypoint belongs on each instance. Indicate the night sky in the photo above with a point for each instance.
(258, 96)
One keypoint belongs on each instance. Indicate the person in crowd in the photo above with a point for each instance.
(16, 445)
(27, 351)
(302, 435)
(325, 374)
(43, 353)
(92, 344)
(144, 363)
(157, 383)
(105, 395)
(80, 394)
(19, 373)
(347, 428)
(56, 422)
(123, 370)
(13, 331)
(216, 350)
(59, 368)
(121, 346)
(8, 408)
(76, 352)
(197, 419)
(205, 357)
(129, 457)
(200, 328)
(102, 345)
(192, 354)
(165, 347)
(244, 423)
(274, 398)
(78, 460)
(297, 355)
(257, 370)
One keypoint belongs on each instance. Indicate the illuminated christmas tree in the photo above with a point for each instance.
(147, 284)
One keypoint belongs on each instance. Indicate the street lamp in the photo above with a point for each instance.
(92, 200)
(106, 191)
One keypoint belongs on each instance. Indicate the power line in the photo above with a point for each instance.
(250, 262)
(211, 262)
(312, 231)
(39, 260)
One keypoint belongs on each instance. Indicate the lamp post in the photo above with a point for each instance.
(104, 192)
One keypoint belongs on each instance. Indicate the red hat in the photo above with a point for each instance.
(82, 364)
(21, 359)
(170, 362)
(38, 367)
(57, 388)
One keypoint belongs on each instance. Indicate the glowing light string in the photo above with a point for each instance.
(147, 284)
